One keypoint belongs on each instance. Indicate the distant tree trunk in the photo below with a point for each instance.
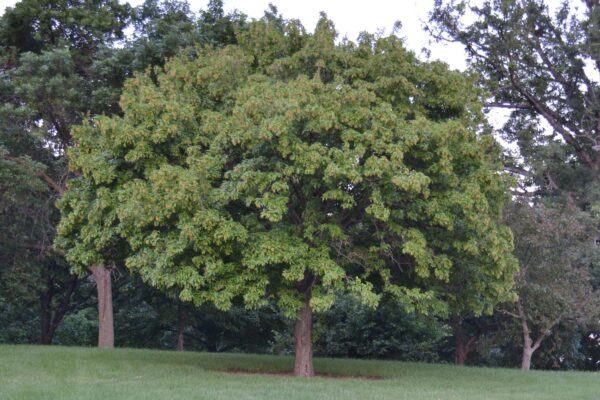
(463, 349)
(46, 313)
(106, 334)
(460, 353)
(529, 346)
(181, 321)
(303, 365)
(50, 319)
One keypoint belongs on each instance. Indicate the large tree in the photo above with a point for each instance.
(290, 168)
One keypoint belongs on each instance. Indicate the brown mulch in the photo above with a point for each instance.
(327, 375)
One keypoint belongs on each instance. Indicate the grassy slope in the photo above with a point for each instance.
(35, 372)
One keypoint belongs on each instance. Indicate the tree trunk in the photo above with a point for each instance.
(461, 351)
(303, 365)
(51, 318)
(528, 346)
(463, 347)
(526, 358)
(48, 331)
(181, 320)
(106, 334)
(46, 316)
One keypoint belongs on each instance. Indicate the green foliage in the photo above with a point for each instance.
(19, 320)
(269, 170)
(351, 329)
(60, 62)
(82, 26)
(47, 84)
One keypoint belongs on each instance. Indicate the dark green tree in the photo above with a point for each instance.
(48, 50)
(60, 62)
(540, 63)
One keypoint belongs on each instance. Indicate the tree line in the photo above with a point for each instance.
(232, 176)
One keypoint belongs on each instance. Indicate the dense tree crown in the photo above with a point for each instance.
(289, 167)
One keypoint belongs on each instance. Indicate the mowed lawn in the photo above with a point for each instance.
(37, 372)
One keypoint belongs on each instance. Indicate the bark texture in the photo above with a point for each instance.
(303, 365)
(526, 358)
(106, 334)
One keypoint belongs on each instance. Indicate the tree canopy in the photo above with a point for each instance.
(291, 167)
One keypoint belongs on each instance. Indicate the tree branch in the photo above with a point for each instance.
(518, 171)
(520, 106)
(59, 189)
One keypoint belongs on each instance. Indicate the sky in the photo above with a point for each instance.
(350, 17)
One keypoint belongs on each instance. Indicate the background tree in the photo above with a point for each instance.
(540, 64)
(48, 54)
(289, 168)
(554, 248)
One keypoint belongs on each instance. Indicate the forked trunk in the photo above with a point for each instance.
(463, 347)
(303, 365)
(529, 347)
(106, 334)
(181, 320)
(51, 315)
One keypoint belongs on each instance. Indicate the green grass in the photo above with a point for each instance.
(36, 372)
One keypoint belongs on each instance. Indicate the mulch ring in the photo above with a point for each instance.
(285, 374)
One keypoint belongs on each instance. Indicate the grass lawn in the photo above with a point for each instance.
(37, 372)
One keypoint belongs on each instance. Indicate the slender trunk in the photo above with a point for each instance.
(526, 358)
(528, 346)
(106, 335)
(45, 316)
(303, 365)
(181, 320)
